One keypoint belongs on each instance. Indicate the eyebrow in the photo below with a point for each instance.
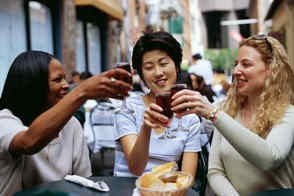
(159, 60)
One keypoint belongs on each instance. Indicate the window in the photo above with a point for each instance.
(12, 35)
(27, 25)
(80, 48)
(94, 48)
(41, 27)
(91, 40)
(88, 47)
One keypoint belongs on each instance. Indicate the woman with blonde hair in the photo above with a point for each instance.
(252, 146)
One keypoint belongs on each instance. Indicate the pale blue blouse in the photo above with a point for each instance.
(161, 150)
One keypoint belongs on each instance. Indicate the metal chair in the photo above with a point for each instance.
(103, 147)
(202, 169)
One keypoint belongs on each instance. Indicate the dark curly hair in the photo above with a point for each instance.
(159, 40)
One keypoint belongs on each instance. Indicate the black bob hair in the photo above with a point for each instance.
(159, 40)
(26, 87)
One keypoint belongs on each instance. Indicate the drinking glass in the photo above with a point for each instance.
(163, 99)
(176, 88)
(126, 66)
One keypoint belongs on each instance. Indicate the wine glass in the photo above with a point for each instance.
(174, 89)
(126, 66)
(163, 99)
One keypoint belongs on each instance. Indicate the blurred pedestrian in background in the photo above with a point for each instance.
(202, 67)
(75, 78)
(40, 141)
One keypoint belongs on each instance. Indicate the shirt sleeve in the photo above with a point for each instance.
(81, 162)
(271, 152)
(124, 124)
(193, 141)
(216, 173)
(10, 126)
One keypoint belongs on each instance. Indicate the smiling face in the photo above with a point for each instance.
(159, 71)
(58, 87)
(250, 72)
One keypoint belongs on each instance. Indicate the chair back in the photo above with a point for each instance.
(202, 167)
(102, 150)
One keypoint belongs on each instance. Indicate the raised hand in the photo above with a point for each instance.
(189, 102)
(153, 117)
(110, 84)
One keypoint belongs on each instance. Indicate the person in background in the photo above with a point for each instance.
(40, 141)
(85, 75)
(156, 57)
(198, 84)
(252, 148)
(75, 77)
(202, 67)
(80, 114)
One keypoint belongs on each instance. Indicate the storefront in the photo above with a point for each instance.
(78, 32)
(28, 25)
(92, 27)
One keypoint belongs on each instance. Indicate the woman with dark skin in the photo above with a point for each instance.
(40, 141)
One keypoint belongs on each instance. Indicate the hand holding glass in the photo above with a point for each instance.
(176, 88)
(126, 66)
(164, 101)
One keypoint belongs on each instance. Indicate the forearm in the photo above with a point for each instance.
(47, 126)
(221, 185)
(139, 155)
(271, 152)
(190, 163)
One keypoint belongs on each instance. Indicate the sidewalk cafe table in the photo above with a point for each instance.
(277, 192)
(119, 186)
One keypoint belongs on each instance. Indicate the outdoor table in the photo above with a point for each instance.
(119, 186)
(277, 192)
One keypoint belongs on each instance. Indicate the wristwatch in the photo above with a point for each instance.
(212, 114)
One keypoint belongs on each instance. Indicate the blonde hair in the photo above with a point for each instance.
(278, 92)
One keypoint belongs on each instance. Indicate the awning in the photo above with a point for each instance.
(110, 7)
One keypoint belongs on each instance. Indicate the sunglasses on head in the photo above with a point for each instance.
(262, 37)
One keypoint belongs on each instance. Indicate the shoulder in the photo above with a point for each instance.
(73, 125)
(289, 113)
(6, 114)
(135, 99)
(290, 109)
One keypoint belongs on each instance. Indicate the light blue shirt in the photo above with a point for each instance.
(161, 150)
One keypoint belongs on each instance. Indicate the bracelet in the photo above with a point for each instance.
(212, 115)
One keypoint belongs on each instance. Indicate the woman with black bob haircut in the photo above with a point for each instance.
(147, 138)
(39, 139)
(157, 41)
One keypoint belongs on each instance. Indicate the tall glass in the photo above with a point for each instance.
(126, 66)
(176, 88)
(163, 99)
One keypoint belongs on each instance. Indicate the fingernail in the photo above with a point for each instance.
(165, 121)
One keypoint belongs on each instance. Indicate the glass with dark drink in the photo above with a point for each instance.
(126, 66)
(164, 101)
(176, 88)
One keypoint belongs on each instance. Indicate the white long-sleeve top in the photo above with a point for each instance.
(241, 162)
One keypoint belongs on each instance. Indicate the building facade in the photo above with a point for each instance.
(83, 34)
